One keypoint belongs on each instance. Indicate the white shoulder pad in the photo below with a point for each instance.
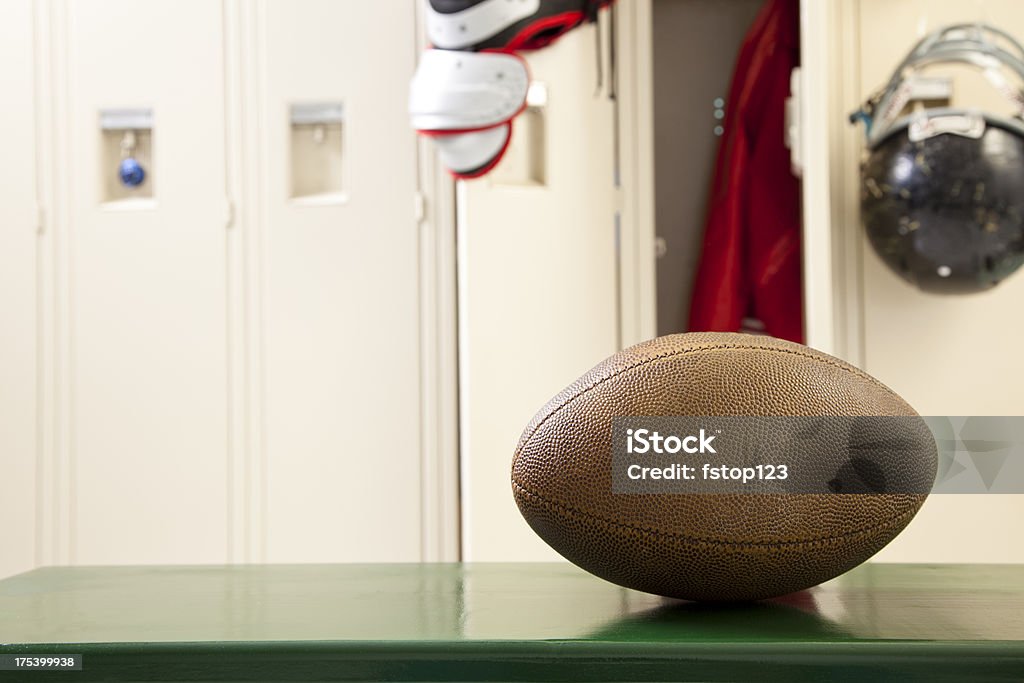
(470, 155)
(473, 25)
(463, 91)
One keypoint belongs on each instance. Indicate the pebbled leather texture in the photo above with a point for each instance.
(707, 546)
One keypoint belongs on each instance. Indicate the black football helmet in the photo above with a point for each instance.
(942, 189)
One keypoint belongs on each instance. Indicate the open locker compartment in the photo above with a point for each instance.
(695, 45)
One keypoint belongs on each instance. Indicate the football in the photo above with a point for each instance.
(713, 546)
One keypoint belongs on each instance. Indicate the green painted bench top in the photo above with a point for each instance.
(530, 622)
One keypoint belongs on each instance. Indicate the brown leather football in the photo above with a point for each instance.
(706, 546)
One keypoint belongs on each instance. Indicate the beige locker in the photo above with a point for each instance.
(946, 355)
(18, 294)
(143, 319)
(250, 357)
(538, 285)
(341, 298)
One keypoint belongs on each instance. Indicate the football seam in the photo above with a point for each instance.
(717, 347)
(696, 539)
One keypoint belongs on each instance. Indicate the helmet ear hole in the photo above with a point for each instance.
(989, 264)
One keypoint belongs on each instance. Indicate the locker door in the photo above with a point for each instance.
(141, 300)
(18, 350)
(963, 357)
(538, 286)
(342, 364)
(947, 355)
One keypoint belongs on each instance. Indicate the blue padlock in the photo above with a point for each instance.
(131, 172)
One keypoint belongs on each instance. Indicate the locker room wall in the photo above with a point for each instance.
(945, 355)
(201, 358)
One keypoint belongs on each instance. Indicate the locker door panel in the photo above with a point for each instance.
(947, 355)
(18, 349)
(342, 312)
(538, 290)
(146, 288)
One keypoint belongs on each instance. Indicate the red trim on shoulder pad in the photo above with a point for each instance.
(557, 24)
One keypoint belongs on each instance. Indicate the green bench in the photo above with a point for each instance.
(509, 622)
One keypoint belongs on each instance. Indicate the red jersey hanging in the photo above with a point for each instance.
(750, 262)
